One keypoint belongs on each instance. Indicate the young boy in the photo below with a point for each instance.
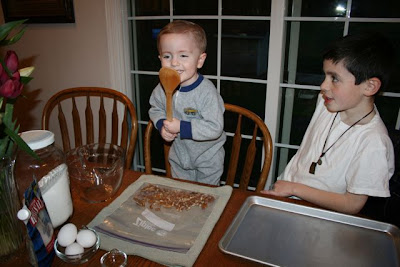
(196, 131)
(346, 154)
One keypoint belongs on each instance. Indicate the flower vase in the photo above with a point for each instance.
(11, 231)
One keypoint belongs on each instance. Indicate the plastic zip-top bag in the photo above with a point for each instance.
(161, 217)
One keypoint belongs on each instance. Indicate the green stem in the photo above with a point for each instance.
(10, 228)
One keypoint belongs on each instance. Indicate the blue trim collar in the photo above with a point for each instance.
(193, 85)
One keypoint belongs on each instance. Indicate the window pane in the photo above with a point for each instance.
(388, 108)
(246, 8)
(211, 29)
(317, 8)
(146, 84)
(283, 156)
(151, 8)
(245, 48)
(248, 95)
(129, 8)
(131, 30)
(195, 7)
(375, 9)
(147, 31)
(139, 155)
(308, 40)
(301, 105)
(392, 32)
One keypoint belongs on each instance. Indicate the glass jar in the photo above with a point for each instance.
(11, 232)
(50, 171)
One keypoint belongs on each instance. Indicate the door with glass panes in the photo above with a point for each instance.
(264, 55)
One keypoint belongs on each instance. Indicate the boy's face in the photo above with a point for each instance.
(180, 52)
(340, 91)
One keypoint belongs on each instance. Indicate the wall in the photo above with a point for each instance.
(64, 55)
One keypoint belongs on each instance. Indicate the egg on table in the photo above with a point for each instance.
(67, 235)
(74, 249)
(75, 242)
(86, 238)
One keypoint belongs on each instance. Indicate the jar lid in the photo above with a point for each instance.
(38, 139)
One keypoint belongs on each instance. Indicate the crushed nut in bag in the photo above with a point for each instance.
(156, 197)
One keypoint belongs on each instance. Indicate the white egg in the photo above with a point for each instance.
(74, 249)
(67, 235)
(86, 238)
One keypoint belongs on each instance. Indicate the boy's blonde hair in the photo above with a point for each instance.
(182, 27)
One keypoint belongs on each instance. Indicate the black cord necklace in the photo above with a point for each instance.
(313, 165)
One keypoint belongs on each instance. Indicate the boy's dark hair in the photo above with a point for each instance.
(365, 55)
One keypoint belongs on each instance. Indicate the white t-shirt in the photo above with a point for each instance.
(361, 161)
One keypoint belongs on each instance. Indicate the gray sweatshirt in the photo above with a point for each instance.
(200, 108)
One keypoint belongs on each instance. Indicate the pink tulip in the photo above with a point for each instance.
(7, 89)
(3, 75)
(12, 87)
(16, 78)
(11, 60)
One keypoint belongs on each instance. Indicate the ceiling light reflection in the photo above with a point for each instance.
(340, 9)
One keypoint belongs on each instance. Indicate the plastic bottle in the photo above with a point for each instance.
(24, 215)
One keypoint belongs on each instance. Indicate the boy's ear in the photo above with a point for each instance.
(373, 86)
(201, 60)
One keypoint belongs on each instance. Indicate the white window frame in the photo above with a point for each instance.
(118, 53)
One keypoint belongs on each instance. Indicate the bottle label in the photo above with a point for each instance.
(57, 195)
(35, 207)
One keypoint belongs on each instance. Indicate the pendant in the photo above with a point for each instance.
(314, 165)
(312, 168)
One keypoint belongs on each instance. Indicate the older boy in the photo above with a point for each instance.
(346, 154)
(196, 130)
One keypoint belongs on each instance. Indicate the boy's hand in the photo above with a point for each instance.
(166, 135)
(347, 202)
(280, 188)
(173, 127)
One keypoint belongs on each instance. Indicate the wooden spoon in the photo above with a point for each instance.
(169, 79)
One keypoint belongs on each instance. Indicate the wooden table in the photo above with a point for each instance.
(210, 255)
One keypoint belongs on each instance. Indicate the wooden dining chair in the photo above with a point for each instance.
(112, 104)
(242, 151)
(147, 151)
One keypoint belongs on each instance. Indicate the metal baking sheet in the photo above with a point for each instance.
(278, 233)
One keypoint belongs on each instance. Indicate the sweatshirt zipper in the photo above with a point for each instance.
(176, 97)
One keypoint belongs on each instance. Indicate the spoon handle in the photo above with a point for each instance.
(169, 106)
